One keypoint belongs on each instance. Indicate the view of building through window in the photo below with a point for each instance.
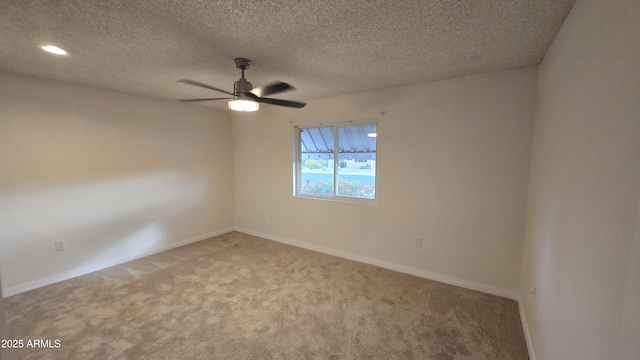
(354, 147)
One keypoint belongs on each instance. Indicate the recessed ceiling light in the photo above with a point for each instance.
(54, 50)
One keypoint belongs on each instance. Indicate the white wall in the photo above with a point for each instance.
(112, 175)
(453, 161)
(582, 237)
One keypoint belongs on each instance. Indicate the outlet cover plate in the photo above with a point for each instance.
(60, 246)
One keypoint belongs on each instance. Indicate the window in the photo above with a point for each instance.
(337, 154)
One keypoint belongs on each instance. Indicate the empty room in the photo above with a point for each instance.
(200, 179)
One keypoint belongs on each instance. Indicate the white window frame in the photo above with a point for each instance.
(297, 162)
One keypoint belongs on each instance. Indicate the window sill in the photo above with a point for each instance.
(340, 199)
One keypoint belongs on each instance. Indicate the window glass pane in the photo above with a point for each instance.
(357, 161)
(316, 161)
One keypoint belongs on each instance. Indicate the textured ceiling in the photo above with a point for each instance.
(322, 47)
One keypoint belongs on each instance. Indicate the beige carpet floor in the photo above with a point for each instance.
(237, 296)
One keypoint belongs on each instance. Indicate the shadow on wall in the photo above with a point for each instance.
(97, 222)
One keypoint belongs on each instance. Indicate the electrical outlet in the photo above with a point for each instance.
(60, 246)
(418, 242)
(271, 217)
(533, 293)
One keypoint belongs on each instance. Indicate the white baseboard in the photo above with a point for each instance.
(105, 264)
(493, 290)
(527, 334)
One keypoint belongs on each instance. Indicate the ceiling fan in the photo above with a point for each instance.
(244, 96)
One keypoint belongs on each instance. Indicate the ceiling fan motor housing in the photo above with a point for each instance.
(241, 88)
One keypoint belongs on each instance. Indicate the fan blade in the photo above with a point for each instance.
(250, 95)
(204, 99)
(270, 89)
(195, 83)
(287, 103)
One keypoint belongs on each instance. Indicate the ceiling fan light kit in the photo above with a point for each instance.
(243, 105)
(244, 97)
